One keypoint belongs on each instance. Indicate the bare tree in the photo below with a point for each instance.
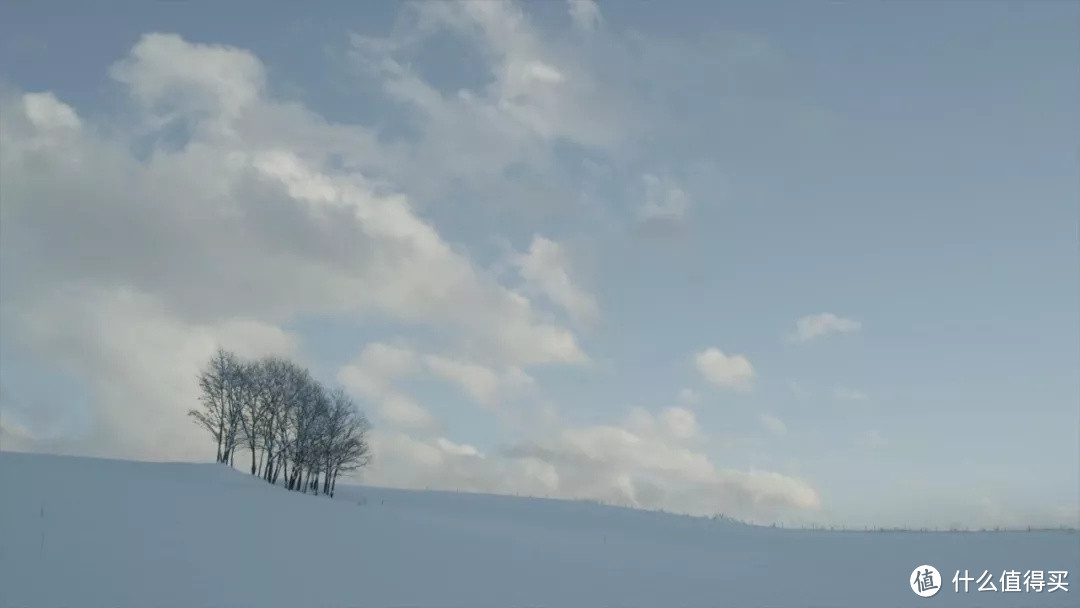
(214, 415)
(349, 449)
(265, 377)
(247, 402)
(293, 428)
(240, 390)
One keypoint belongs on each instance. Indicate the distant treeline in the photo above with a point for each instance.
(296, 430)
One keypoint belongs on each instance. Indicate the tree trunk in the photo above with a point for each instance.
(220, 434)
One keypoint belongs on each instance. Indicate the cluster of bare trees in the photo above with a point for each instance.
(295, 430)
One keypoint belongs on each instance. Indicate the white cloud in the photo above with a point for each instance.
(480, 382)
(679, 422)
(441, 464)
(399, 410)
(485, 385)
(241, 223)
(634, 465)
(816, 326)
(457, 449)
(388, 361)
(546, 270)
(391, 448)
(170, 77)
(775, 425)
(585, 14)
(246, 218)
(376, 372)
(538, 93)
(373, 375)
(128, 269)
(732, 371)
(664, 201)
(139, 363)
(431, 281)
(46, 112)
(676, 423)
(647, 461)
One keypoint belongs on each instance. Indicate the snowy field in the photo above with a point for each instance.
(87, 533)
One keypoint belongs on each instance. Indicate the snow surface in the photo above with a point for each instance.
(91, 533)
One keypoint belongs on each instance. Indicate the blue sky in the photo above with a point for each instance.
(564, 249)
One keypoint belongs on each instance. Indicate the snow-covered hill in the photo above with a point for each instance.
(91, 533)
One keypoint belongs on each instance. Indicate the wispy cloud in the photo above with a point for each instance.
(816, 326)
(546, 270)
(585, 14)
(775, 425)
